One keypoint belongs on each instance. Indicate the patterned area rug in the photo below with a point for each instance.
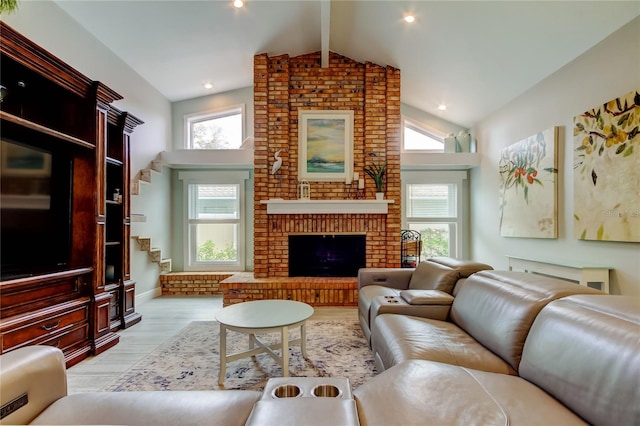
(191, 360)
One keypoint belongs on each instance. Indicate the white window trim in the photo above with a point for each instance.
(210, 177)
(211, 113)
(421, 128)
(460, 249)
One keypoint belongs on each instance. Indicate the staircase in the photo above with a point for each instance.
(154, 253)
(144, 178)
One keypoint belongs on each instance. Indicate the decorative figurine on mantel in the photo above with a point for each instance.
(278, 163)
(275, 168)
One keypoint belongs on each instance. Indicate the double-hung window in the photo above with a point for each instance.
(214, 234)
(433, 205)
(220, 129)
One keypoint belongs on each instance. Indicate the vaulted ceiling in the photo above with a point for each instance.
(473, 56)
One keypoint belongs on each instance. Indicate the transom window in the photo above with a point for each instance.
(417, 138)
(220, 129)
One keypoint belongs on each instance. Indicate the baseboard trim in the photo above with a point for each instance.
(148, 295)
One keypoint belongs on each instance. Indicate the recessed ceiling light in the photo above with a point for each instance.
(208, 85)
(442, 107)
(409, 18)
(238, 3)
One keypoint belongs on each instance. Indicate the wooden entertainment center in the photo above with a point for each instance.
(66, 280)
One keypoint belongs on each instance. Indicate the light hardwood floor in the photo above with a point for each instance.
(162, 318)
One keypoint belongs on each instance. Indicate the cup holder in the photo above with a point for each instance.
(287, 391)
(326, 391)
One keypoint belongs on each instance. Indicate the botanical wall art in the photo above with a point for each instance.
(528, 180)
(325, 143)
(606, 174)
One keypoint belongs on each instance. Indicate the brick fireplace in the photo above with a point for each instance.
(282, 86)
(326, 255)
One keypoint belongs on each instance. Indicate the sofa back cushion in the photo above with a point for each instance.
(584, 351)
(433, 276)
(497, 308)
(464, 267)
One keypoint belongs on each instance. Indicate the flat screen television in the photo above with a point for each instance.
(35, 209)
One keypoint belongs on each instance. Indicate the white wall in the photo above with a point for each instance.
(47, 25)
(607, 71)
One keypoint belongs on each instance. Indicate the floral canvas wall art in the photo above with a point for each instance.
(606, 176)
(528, 187)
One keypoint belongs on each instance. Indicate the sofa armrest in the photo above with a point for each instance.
(31, 379)
(426, 297)
(398, 305)
(397, 278)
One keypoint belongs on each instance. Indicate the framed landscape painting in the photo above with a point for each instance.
(606, 177)
(528, 187)
(325, 145)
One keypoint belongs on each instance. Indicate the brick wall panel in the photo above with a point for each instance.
(282, 86)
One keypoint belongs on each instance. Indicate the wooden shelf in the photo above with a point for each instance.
(440, 161)
(280, 206)
(55, 108)
(114, 162)
(44, 130)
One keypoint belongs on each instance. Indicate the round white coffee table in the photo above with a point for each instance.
(263, 316)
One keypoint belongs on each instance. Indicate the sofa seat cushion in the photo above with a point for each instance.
(430, 393)
(223, 408)
(397, 338)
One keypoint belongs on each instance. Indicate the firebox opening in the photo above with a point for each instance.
(326, 255)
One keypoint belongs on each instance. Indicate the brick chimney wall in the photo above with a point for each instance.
(282, 86)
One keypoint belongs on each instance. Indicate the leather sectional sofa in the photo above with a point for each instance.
(580, 364)
(486, 326)
(514, 348)
(427, 290)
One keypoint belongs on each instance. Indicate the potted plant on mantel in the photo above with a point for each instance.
(377, 171)
(8, 6)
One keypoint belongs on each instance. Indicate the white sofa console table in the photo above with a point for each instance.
(583, 274)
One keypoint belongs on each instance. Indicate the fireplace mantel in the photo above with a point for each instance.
(280, 206)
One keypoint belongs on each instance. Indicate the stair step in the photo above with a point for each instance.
(145, 175)
(165, 266)
(156, 165)
(155, 254)
(145, 243)
(137, 217)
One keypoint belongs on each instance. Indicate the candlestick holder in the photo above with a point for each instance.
(353, 192)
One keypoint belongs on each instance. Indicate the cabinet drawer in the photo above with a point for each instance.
(69, 339)
(53, 325)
